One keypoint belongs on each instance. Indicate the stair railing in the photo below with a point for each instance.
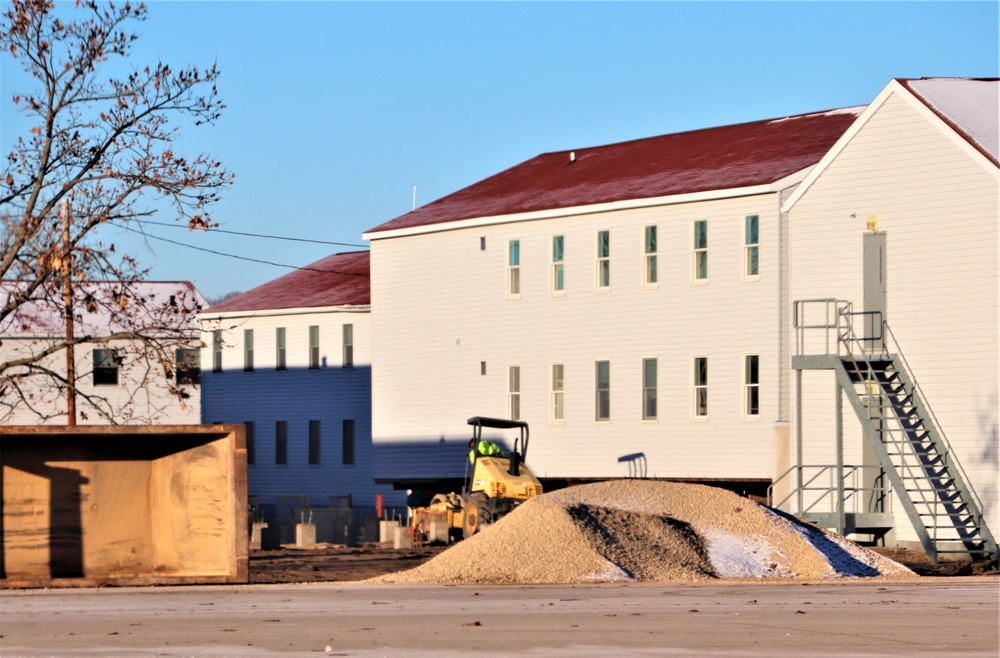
(945, 446)
(852, 473)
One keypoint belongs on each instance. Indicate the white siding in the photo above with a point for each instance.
(141, 396)
(441, 310)
(939, 210)
(329, 394)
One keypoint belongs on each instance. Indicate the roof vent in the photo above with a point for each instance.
(572, 157)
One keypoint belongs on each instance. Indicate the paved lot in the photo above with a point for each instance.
(934, 617)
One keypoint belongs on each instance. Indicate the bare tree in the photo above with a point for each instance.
(106, 145)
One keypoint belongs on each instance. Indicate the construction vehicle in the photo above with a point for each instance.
(495, 484)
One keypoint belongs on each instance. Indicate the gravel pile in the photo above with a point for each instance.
(637, 530)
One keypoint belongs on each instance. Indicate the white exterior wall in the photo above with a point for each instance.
(938, 206)
(329, 394)
(140, 397)
(441, 310)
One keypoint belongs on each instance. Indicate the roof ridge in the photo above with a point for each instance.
(705, 129)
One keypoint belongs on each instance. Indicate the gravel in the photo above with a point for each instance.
(640, 530)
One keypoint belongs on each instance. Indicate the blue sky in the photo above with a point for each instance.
(336, 110)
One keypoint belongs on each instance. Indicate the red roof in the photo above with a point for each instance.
(720, 158)
(337, 280)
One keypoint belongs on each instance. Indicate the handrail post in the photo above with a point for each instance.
(798, 436)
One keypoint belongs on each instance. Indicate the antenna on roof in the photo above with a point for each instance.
(414, 198)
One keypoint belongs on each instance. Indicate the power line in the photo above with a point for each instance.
(246, 258)
(258, 235)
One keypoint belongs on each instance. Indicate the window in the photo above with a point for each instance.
(649, 389)
(603, 259)
(751, 385)
(217, 351)
(106, 363)
(314, 347)
(314, 441)
(514, 269)
(251, 432)
(701, 386)
(482, 243)
(651, 275)
(188, 367)
(280, 358)
(514, 392)
(348, 345)
(558, 392)
(348, 447)
(701, 250)
(248, 350)
(558, 263)
(751, 247)
(281, 442)
(602, 387)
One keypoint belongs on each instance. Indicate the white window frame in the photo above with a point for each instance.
(217, 351)
(107, 361)
(280, 349)
(602, 395)
(699, 388)
(751, 250)
(514, 392)
(699, 252)
(557, 383)
(603, 271)
(248, 350)
(187, 366)
(514, 268)
(650, 388)
(650, 262)
(347, 332)
(751, 387)
(558, 286)
(313, 355)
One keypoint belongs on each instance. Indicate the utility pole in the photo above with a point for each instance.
(68, 310)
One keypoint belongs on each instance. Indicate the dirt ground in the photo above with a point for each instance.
(335, 563)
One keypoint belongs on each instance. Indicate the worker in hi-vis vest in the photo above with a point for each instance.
(485, 448)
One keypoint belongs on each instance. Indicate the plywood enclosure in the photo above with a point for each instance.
(123, 505)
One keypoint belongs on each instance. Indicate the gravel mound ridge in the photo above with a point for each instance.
(638, 530)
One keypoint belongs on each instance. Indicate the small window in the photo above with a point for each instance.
(217, 351)
(751, 385)
(348, 332)
(751, 247)
(188, 367)
(248, 350)
(280, 353)
(482, 243)
(558, 392)
(603, 259)
(281, 442)
(602, 387)
(649, 377)
(514, 392)
(348, 445)
(701, 250)
(106, 364)
(314, 347)
(314, 439)
(651, 275)
(701, 386)
(558, 264)
(514, 269)
(251, 433)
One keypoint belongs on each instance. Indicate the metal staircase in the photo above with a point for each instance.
(900, 426)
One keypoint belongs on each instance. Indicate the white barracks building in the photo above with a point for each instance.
(634, 304)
